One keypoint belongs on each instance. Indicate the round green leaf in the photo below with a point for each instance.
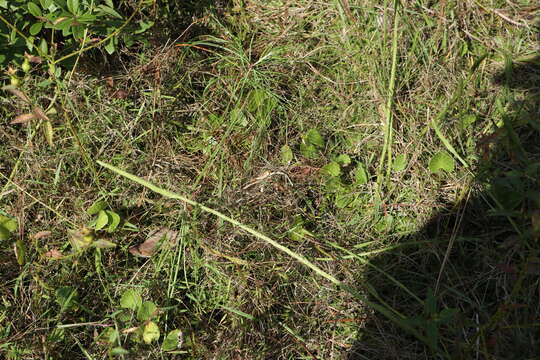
(400, 163)
(8, 223)
(332, 169)
(146, 311)
(102, 220)
(360, 175)
(150, 332)
(441, 161)
(286, 154)
(131, 299)
(172, 341)
(343, 160)
(313, 137)
(4, 233)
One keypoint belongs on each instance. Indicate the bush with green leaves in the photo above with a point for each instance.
(56, 30)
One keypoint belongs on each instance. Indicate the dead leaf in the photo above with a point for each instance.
(110, 81)
(18, 93)
(155, 239)
(120, 94)
(41, 235)
(40, 114)
(33, 59)
(53, 254)
(23, 119)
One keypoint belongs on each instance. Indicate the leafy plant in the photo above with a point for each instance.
(146, 329)
(57, 30)
(312, 143)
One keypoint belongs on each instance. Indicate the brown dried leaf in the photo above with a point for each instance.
(18, 93)
(41, 235)
(33, 59)
(53, 254)
(40, 114)
(154, 240)
(120, 94)
(23, 119)
(110, 81)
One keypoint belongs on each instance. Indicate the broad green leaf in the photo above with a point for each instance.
(467, 121)
(96, 207)
(102, 220)
(343, 160)
(34, 9)
(172, 341)
(44, 47)
(4, 233)
(313, 137)
(110, 11)
(146, 311)
(45, 3)
(114, 220)
(150, 332)
(131, 299)
(73, 6)
(8, 223)
(400, 163)
(110, 47)
(7, 227)
(286, 154)
(36, 28)
(332, 169)
(308, 150)
(441, 161)
(360, 175)
(20, 252)
(109, 334)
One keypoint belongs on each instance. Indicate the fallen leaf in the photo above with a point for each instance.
(53, 254)
(23, 119)
(149, 246)
(41, 235)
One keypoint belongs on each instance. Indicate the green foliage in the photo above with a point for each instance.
(441, 161)
(56, 29)
(312, 143)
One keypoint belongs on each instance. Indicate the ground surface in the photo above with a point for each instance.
(286, 116)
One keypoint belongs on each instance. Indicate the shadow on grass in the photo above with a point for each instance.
(484, 303)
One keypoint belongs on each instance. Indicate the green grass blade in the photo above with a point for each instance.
(400, 321)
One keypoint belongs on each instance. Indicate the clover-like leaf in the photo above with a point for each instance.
(441, 161)
(150, 332)
(131, 299)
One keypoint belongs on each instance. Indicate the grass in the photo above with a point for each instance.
(414, 264)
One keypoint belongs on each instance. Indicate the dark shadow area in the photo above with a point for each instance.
(484, 303)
